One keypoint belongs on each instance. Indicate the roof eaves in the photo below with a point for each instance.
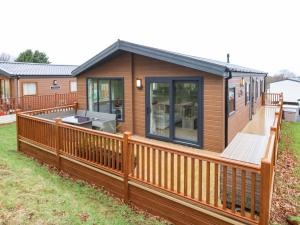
(236, 73)
(5, 73)
(97, 58)
(153, 53)
(173, 58)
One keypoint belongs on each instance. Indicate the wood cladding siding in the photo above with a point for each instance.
(239, 119)
(131, 67)
(44, 85)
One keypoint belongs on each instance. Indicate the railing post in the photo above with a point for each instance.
(57, 141)
(126, 161)
(17, 128)
(55, 99)
(265, 192)
(76, 106)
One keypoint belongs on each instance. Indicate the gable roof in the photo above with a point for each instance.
(12, 69)
(203, 64)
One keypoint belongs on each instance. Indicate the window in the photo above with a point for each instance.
(106, 95)
(261, 87)
(73, 86)
(29, 89)
(231, 100)
(247, 93)
(4, 89)
(256, 89)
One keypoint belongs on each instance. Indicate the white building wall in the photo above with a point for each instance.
(290, 90)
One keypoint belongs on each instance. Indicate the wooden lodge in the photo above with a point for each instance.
(22, 84)
(196, 139)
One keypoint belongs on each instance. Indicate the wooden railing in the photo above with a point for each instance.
(233, 189)
(224, 185)
(26, 103)
(272, 98)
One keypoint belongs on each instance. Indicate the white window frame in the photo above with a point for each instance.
(27, 92)
(72, 87)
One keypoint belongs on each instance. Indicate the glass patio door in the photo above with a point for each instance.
(186, 110)
(104, 96)
(172, 110)
(159, 107)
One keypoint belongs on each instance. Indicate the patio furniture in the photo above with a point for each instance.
(100, 121)
(97, 120)
(79, 121)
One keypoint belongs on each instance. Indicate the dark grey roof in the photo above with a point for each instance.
(35, 69)
(203, 64)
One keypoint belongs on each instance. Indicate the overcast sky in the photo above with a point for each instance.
(259, 34)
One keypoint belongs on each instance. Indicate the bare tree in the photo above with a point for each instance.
(281, 75)
(4, 57)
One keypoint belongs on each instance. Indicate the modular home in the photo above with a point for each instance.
(290, 89)
(169, 96)
(18, 79)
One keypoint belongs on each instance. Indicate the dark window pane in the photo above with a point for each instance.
(104, 101)
(117, 98)
(92, 95)
(159, 109)
(231, 100)
(186, 110)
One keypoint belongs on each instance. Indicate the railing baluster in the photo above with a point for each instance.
(216, 187)
(207, 182)
(243, 191)
(252, 195)
(178, 173)
(148, 164)
(117, 154)
(192, 178)
(137, 161)
(104, 151)
(185, 176)
(113, 166)
(101, 150)
(154, 165)
(224, 186)
(143, 163)
(159, 167)
(233, 189)
(166, 170)
(200, 181)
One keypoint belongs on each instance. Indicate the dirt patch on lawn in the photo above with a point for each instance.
(286, 186)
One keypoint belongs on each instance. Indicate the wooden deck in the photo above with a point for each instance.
(262, 121)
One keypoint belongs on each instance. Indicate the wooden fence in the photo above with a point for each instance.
(184, 185)
(26, 103)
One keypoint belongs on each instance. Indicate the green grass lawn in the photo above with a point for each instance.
(31, 194)
(292, 130)
(288, 176)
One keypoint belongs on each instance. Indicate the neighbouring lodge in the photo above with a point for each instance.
(18, 79)
(170, 96)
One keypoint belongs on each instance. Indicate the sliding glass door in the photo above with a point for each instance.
(159, 106)
(186, 110)
(172, 109)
